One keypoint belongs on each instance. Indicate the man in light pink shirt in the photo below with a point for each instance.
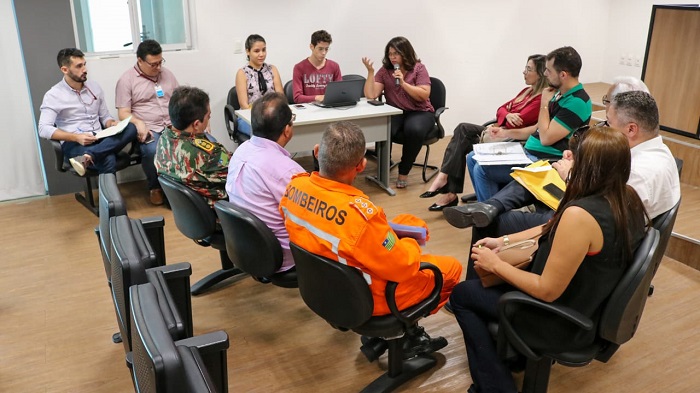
(261, 168)
(143, 92)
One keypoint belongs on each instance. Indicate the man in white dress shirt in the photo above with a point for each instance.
(73, 110)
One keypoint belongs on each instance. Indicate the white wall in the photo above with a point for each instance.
(478, 47)
(19, 154)
(627, 34)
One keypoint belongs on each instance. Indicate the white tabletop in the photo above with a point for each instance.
(311, 114)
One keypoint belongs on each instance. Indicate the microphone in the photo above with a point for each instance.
(396, 80)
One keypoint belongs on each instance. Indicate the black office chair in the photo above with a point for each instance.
(197, 221)
(339, 294)
(619, 320)
(438, 96)
(289, 92)
(130, 257)
(664, 224)
(86, 198)
(253, 246)
(230, 118)
(351, 77)
(162, 365)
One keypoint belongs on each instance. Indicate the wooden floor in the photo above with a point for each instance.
(57, 318)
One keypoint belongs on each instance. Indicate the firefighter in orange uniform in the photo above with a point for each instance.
(326, 215)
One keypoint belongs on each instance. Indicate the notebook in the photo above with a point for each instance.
(342, 93)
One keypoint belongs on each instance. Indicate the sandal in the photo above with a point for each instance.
(401, 183)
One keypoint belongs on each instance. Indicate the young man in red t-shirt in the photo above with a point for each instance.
(312, 74)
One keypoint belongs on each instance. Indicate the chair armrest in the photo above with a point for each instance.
(566, 313)
(176, 278)
(411, 314)
(176, 270)
(176, 315)
(488, 123)
(230, 120)
(58, 154)
(439, 112)
(155, 232)
(512, 302)
(207, 343)
(212, 348)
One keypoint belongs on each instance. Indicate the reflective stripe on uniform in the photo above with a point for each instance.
(333, 240)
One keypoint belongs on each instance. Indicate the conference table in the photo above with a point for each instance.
(375, 122)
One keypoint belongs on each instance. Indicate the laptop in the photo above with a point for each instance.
(342, 93)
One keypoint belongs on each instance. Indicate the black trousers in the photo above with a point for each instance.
(454, 162)
(410, 129)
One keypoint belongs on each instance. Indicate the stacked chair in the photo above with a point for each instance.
(111, 204)
(162, 364)
(130, 261)
(172, 282)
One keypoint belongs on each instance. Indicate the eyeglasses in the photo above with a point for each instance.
(156, 64)
(576, 138)
(294, 117)
(603, 123)
(529, 69)
(606, 101)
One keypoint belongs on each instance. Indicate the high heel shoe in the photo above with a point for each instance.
(436, 208)
(430, 194)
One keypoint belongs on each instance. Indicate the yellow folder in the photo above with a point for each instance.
(535, 176)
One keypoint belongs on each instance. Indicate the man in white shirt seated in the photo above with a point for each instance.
(73, 110)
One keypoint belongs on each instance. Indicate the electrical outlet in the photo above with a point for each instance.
(637, 61)
(629, 60)
(237, 47)
(622, 59)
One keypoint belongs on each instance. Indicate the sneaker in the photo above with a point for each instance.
(80, 163)
(420, 343)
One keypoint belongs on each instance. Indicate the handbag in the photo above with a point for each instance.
(518, 254)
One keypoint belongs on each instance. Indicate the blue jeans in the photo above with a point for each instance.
(148, 155)
(104, 151)
(488, 179)
(243, 127)
(474, 307)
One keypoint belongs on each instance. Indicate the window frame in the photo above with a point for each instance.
(134, 14)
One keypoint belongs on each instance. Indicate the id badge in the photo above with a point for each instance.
(159, 91)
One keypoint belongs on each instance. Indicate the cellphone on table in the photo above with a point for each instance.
(299, 106)
(554, 191)
(375, 102)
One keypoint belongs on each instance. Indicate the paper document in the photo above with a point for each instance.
(411, 231)
(113, 130)
(536, 178)
(500, 153)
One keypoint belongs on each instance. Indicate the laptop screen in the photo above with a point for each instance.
(341, 93)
